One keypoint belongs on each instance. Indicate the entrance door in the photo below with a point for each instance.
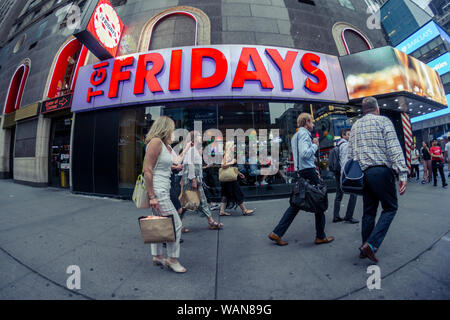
(59, 157)
(11, 152)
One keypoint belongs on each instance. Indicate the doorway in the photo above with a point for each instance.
(59, 157)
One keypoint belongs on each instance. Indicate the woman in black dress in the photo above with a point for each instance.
(231, 193)
(426, 156)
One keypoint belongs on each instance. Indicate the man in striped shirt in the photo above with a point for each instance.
(374, 144)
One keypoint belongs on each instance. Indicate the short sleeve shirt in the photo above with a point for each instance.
(435, 151)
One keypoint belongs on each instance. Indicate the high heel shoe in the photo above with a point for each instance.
(175, 266)
(158, 262)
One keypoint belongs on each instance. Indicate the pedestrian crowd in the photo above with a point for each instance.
(371, 142)
(432, 160)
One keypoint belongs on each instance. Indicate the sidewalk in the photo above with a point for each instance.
(45, 230)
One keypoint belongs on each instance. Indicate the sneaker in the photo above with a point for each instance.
(263, 183)
(445, 186)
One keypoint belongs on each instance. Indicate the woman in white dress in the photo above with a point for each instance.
(157, 170)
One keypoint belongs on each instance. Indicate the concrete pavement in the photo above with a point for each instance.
(45, 230)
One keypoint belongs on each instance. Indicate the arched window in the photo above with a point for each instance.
(176, 26)
(175, 29)
(16, 86)
(349, 39)
(69, 59)
(354, 41)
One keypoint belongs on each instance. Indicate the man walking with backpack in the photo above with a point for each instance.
(374, 144)
(338, 157)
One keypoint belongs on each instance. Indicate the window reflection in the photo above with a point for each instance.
(250, 116)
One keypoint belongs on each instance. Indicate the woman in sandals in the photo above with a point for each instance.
(193, 175)
(231, 191)
(157, 171)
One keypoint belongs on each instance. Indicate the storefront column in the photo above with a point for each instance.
(5, 146)
(42, 145)
(406, 123)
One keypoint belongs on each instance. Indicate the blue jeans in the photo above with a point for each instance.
(337, 201)
(379, 186)
(291, 212)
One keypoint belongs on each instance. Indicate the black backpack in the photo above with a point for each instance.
(334, 163)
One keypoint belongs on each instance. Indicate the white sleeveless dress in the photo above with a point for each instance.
(161, 187)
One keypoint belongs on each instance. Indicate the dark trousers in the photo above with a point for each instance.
(438, 165)
(415, 171)
(337, 201)
(379, 186)
(291, 212)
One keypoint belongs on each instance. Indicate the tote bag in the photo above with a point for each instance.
(190, 199)
(157, 229)
(140, 195)
(228, 174)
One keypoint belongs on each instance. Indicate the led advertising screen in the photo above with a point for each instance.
(388, 70)
(441, 64)
(419, 38)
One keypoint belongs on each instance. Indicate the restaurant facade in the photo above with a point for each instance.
(247, 65)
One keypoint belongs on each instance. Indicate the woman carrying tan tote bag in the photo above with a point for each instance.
(193, 196)
(231, 193)
(157, 171)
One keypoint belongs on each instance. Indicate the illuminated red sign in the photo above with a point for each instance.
(101, 34)
(210, 72)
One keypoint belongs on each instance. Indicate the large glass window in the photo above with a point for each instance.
(250, 116)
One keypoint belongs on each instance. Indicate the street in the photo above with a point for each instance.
(43, 231)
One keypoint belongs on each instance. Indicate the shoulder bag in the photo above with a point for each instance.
(307, 196)
(140, 195)
(352, 179)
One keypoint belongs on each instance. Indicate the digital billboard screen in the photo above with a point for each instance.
(419, 38)
(388, 70)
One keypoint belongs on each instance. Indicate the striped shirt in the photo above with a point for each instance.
(373, 142)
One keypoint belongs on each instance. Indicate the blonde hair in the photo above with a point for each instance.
(162, 128)
(302, 118)
(228, 149)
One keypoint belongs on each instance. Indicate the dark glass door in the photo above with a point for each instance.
(59, 157)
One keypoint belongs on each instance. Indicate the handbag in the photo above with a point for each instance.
(228, 174)
(157, 229)
(352, 179)
(140, 195)
(307, 196)
(190, 199)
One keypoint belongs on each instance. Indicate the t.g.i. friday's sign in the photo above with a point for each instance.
(210, 72)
